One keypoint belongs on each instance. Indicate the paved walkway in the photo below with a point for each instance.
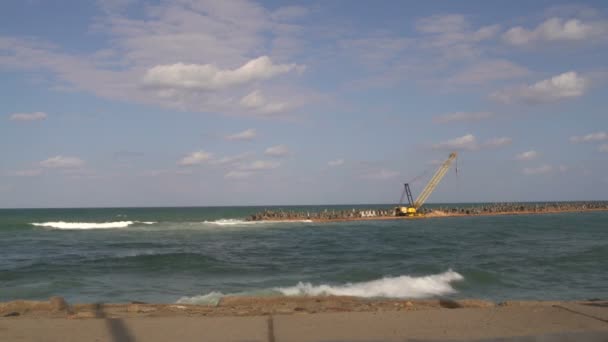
(570, 322)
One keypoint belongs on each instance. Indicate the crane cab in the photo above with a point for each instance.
(405, 211)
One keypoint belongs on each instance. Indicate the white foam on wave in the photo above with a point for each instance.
(392, 287)
(211, 298)
(90, 225)
(236, 222)
(388, 287)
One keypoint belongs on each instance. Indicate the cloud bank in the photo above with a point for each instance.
(555, 29)
(564, 86)
(208, 77)
(61, 162)
(248, 134)
(195, 158)
(528, 155)
(36, 116)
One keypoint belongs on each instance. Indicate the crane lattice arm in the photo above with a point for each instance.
(428, 189)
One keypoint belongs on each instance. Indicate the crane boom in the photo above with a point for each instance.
(432, 184)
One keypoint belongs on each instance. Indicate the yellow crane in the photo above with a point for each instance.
(412, 208)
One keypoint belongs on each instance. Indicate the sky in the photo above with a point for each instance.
(209, 103)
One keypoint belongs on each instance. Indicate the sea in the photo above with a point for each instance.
(197, 255)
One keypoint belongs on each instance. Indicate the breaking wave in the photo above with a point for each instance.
(90, 225)
(124, 224)
(388, 287)
(211, 298)
(393, 287)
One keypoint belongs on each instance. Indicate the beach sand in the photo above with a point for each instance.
(306, 319)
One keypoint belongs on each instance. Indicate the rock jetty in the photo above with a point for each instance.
(435, 211)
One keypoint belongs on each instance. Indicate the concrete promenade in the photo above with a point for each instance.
(534, 321)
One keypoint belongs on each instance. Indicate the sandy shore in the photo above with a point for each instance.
(305, 319)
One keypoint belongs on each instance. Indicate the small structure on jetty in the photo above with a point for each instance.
(330, 214)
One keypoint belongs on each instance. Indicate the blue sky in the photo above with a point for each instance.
(187, 102)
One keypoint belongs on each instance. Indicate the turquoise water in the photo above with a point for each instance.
(196, 255)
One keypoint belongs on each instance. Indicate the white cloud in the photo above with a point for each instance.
(277, 151)
(486, 71)
(591, 137)
(195, 158)
(603, 148)
(469, 142)
(528, 155)
(61, 162)
(185, 55)
(242, 170)
(486, 32)
(463, 116)
(256, 102)
(237, 175)
(541, 170)
(207, 77)
(555, 29)
(453, 36)
(28, 173)
(36, 116)
(248, 134)
(564, 86)
(497, 142)
(382, 174)
(259, 165)
(231, 160)
(466, 142)
(336, 162)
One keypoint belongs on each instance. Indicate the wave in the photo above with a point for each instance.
(90, 225)
(393, 287)
(211, 298)
(124, 224)
(387, 287)
(237, 222)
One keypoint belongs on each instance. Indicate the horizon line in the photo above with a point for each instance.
(290, 205)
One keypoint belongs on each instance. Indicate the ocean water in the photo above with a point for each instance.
(197, 255)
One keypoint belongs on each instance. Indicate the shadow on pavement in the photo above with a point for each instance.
(116, 326)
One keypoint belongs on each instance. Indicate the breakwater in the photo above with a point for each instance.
(436, 211)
